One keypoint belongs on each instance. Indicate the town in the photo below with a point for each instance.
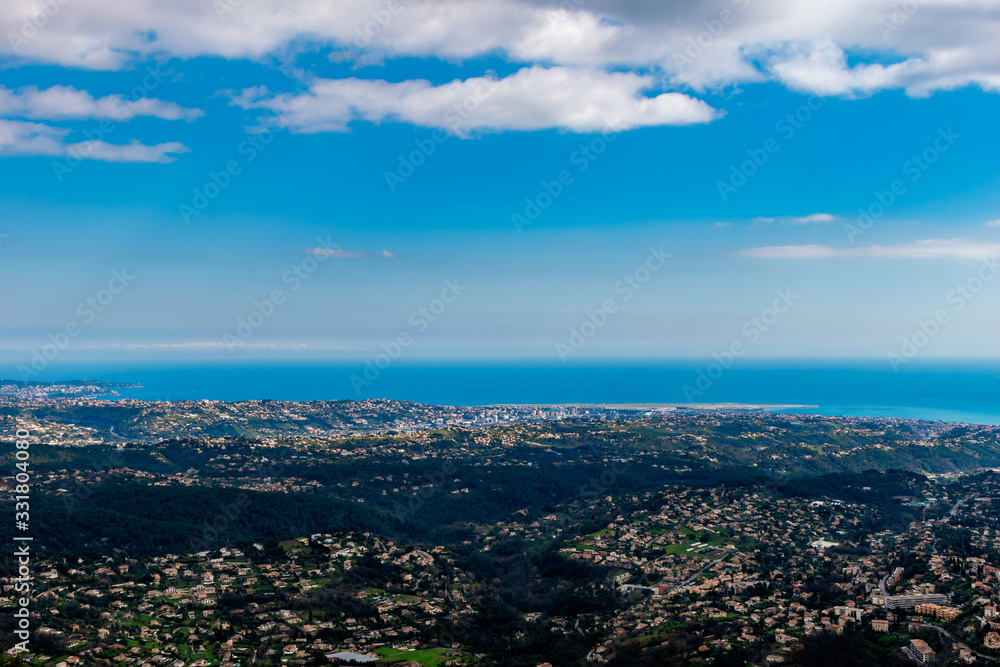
(663, 538)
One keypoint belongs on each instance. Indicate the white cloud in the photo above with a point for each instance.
(815, 217)
(924, 249)
(66, 102)
(130, 152)
(821, 68)
(942, 45)
(790, 251)
(797, 220)
(993, 223)
(23, 138)
(222, 345)
(533, 98)
(337, 253)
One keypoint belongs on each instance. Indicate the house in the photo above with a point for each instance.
(880, 625)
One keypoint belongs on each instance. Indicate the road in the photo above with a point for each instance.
(687, 582)
(953, 638)
(881, 584)
(951, 514)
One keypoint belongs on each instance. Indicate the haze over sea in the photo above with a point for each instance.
(961, 391)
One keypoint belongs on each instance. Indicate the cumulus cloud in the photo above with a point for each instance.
(134, 151)
(30, 138)
(23, 138)
(66, 102)
(584, 66)
(533, 98)
(924, 249)
(821, 68)
(941, 44)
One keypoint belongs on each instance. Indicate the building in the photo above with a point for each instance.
(920, 651)
(937, 611)
(823, 544)
(992, 640)
(880, 625)
(850, 612)
(911, 601)
(948, 614)
(632, 588)
(353, 657)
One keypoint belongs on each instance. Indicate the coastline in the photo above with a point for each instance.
(959, 392)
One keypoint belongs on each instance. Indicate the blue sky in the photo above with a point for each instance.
(835, 108)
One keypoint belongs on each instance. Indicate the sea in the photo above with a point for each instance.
(966, 391)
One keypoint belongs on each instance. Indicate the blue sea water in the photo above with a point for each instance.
(966, 391)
